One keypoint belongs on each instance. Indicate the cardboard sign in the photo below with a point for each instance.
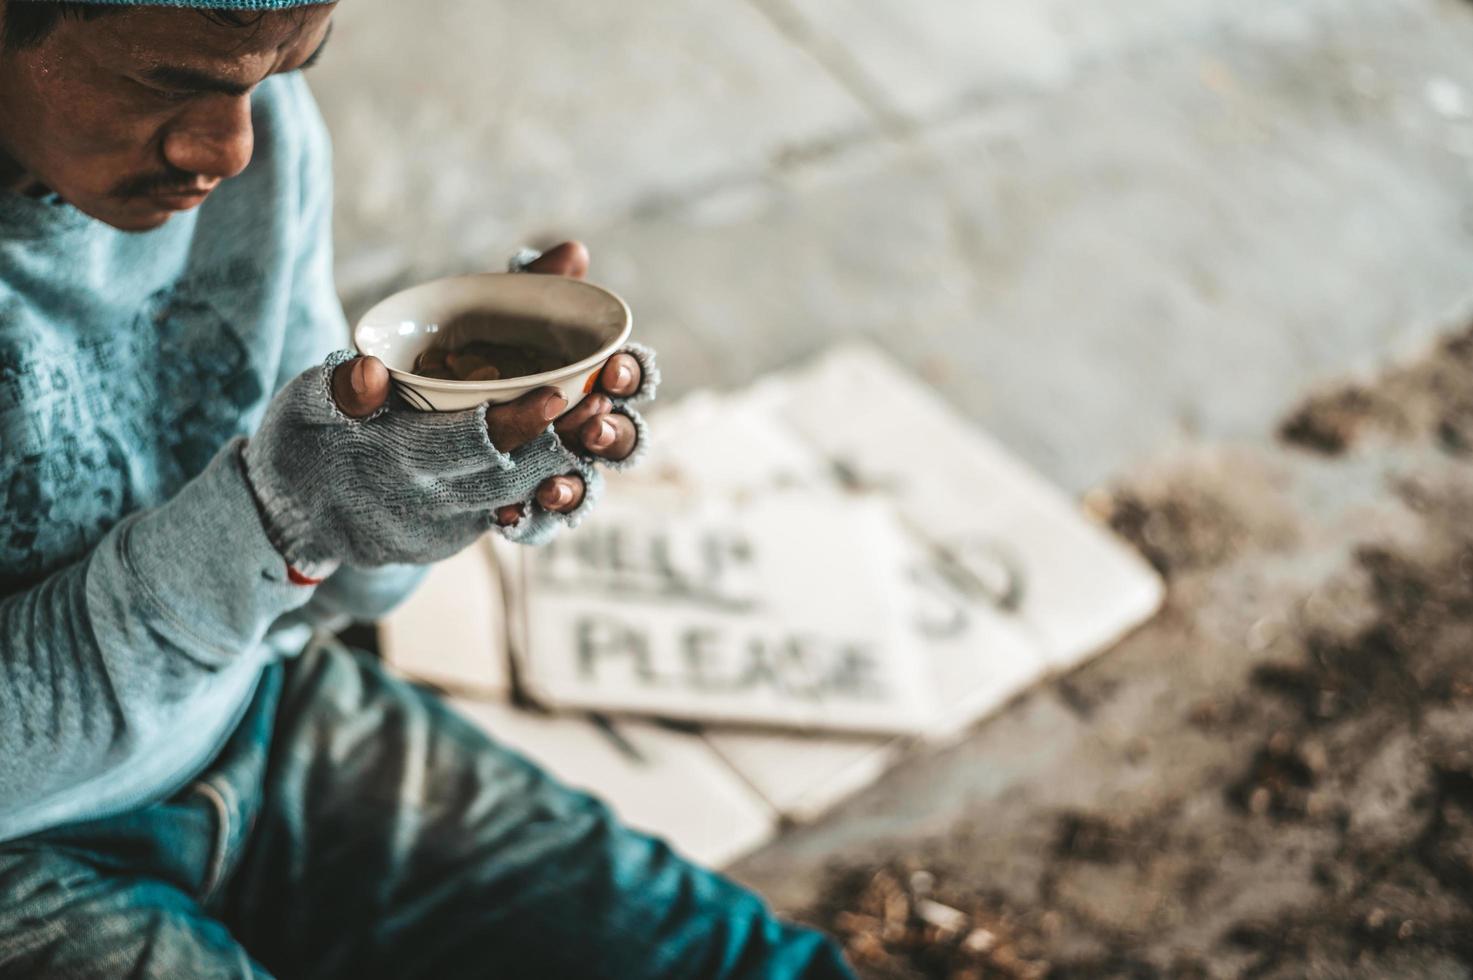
(781, 610)
(789, 555)
(1075, 585)
(452, 631)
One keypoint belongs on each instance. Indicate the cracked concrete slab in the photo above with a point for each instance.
(463, 127)
(916, 62)
(1166, 254)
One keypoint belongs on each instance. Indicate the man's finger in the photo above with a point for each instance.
(609, 436)
(360, 386)
(517, 423)
(589, 408)
(561, 494)
(567, 259)
(621, 376)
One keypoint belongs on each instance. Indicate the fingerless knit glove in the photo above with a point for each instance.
(539, 526)
(649, 382)
(399, 486)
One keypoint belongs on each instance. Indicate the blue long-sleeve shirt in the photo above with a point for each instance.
(139, 597)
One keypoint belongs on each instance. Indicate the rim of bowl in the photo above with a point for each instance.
(525, 380)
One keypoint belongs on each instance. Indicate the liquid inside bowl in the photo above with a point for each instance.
(512, 347)
(537, 319)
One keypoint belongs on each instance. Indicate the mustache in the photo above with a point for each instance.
(172, 181)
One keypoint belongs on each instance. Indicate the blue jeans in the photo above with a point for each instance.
(355, 827)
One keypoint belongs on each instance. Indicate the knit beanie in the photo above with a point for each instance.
(201, 4)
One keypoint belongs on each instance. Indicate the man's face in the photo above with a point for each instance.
(136, 115)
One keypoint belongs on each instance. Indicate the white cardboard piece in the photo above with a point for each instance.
(978, 657)
(451, 632)
(804, 776)
(664, 783)
(730, 445)
(978, 660)
(986, 636)
(1082, 589)
(781, 609)
(1004, 577)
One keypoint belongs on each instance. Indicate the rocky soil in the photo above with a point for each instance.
(1295, 798)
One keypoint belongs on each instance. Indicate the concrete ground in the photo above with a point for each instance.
(1101, 229)
(1111, 234)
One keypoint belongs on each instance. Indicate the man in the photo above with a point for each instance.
(190, 481)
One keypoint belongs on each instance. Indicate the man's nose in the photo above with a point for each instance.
(214, 139)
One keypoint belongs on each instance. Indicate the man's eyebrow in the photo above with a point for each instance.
(189, 80)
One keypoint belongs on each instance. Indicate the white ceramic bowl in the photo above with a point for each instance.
(586, 324)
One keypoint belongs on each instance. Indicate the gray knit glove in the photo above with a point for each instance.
(399, 486)
(649, 382)
(539, 526)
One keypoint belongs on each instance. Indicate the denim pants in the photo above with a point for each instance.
(355, 827)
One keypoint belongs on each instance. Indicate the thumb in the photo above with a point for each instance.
(567, 259)
(360, 386)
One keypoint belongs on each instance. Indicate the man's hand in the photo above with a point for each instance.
(361, 387)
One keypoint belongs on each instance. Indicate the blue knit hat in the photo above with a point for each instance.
(206, 4)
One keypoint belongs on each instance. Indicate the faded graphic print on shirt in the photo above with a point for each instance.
(173, 386)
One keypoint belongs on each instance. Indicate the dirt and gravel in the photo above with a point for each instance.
(1275, 777)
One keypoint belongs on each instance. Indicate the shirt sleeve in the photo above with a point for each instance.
(103, 659)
